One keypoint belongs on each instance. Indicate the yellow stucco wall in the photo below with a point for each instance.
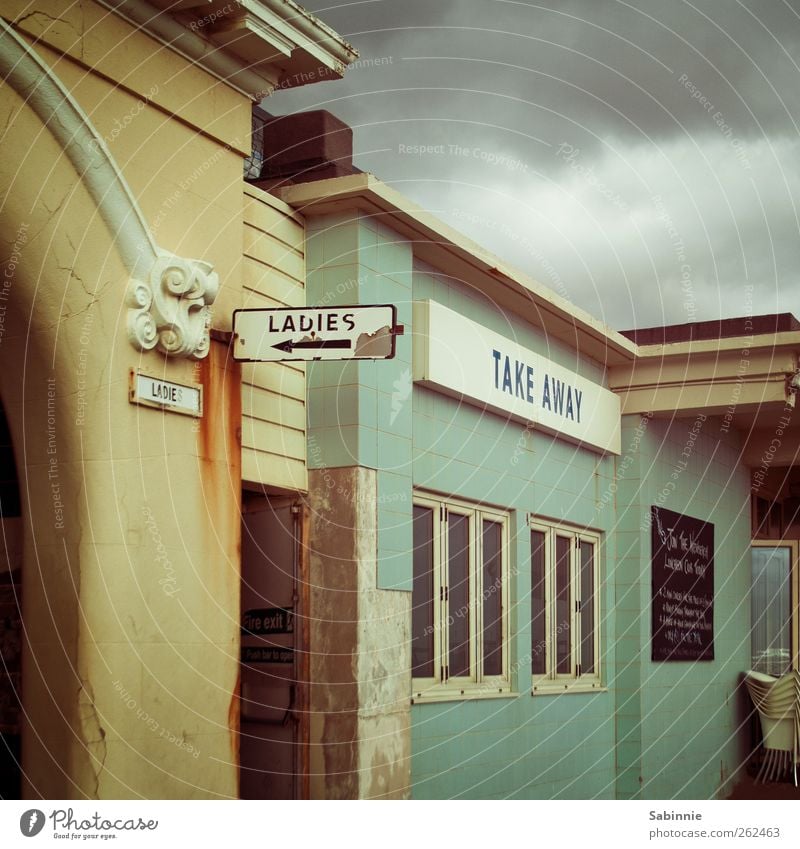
(131, 564)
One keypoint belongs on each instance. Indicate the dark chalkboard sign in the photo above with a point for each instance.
(683, 587)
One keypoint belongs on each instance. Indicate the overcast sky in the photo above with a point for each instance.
(639, 158)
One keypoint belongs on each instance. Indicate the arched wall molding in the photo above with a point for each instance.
(169, 297)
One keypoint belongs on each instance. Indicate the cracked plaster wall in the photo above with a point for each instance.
(131, 530)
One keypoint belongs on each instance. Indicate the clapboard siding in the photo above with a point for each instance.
(288, 380)
(279, 409)
(273, 467)
(265, 249)
(266, 213)
(277, 439)
(271, 283)
(273, 394)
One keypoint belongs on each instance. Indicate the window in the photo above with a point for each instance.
(460, 600)
(773, 596)
(565, 652)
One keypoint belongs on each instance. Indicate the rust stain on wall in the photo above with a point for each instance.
(219, 493)
(234, 725)
(219, 456)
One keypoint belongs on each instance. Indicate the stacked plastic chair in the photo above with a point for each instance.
(777, 701)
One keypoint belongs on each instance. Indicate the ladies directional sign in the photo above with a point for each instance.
(315, 333)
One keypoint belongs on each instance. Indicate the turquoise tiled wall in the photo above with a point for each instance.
(681, 720)
(660, 730)
(360, 412)
(522, 747)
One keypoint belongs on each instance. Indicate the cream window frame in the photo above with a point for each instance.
(552, 681)
(794, 590)
(442, 686)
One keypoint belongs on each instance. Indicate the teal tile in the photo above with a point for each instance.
(395, 536)
(340, 243)
(368, 448)
(341, 284)
(394, 452)
(367, 407)
(395, 574)
(394, 492)
(315, 408)
(368, 246)
(315, 244)
(341, 405)
(395, 257)
(340, 446)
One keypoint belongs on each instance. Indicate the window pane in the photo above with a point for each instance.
(458, 587)
(587, 608)
(538, 636)
(770, 635)
(563, 607)
(422, 595)
(492, 598)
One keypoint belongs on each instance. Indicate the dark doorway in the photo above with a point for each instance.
(271, 751)
(10, 618)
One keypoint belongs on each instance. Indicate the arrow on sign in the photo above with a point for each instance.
(288, 346)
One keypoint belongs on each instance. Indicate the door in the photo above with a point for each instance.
(270, 751)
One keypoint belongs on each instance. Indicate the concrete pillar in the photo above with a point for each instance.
(360, 647)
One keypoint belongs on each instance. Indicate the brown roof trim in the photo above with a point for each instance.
(725, 328)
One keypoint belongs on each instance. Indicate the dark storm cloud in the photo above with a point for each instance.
(640, 158)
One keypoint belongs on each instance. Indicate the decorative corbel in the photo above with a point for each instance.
(169, 297)
(171, 310)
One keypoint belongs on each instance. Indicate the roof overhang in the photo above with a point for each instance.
(256, 46)
(444, 248)
(750, 382)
